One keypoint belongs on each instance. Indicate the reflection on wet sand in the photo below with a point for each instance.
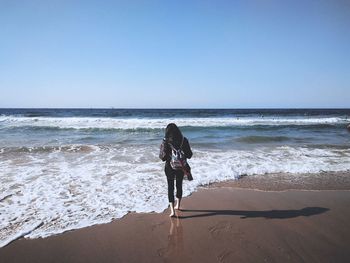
(175, 238)
(175, 250)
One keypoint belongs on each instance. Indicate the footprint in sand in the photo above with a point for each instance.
(154, 226)
(225, 256)
(220, 228)
(225, 230)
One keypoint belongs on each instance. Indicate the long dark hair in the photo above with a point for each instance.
(173, 133)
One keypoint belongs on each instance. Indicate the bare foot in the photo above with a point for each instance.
(172, 211)
(177, 206)
(172, 214)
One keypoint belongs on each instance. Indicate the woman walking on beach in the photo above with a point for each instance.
(173, 146)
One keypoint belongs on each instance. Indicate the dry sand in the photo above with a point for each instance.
(220, 223)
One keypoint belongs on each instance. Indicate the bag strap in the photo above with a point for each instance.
(180, 148)
(182, 142)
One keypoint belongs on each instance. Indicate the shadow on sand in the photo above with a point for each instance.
(269, 214)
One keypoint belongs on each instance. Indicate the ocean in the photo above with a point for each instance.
(64, 169)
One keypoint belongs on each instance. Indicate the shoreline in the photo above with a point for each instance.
(277, 182)
(212, 222)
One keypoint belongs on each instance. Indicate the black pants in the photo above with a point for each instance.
(174, 175)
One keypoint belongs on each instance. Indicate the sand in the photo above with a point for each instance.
(227, 222)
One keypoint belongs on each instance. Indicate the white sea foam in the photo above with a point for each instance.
(157, 123)
(49, 193)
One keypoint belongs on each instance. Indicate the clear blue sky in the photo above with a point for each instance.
(182, 54)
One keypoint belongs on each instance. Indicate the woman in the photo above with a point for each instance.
(174, 140)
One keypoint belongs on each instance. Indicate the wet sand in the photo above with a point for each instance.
(283, 181)
(225, 222)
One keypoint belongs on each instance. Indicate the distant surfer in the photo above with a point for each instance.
(175, 150)
(348, 127)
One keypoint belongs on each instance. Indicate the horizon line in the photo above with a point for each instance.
(180, 108)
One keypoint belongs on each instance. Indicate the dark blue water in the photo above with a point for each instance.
(167, 113)
(222, 128)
